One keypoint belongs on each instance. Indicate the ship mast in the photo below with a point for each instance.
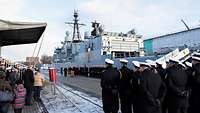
(76, 25)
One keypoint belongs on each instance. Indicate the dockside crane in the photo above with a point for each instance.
(185, 24)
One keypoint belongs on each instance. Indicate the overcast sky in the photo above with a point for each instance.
(149, 17)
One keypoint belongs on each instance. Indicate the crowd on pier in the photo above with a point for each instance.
(18, 85)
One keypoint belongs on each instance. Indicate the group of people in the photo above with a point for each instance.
(151, 88)
(17, 86)
(63, 70)
(68, 71)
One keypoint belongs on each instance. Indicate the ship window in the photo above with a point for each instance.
(119, 54)
(132, 54)
(127, 54)
(104, 52)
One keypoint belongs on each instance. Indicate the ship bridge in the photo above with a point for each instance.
(122, 45)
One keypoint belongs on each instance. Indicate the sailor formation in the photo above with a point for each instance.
(152, 87)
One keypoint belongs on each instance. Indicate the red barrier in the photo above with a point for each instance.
(52, 75)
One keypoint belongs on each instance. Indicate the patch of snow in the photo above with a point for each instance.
(67, 102)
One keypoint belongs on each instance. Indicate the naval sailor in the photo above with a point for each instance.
(110, 85)
(125, 87)
(195, 84)
(178, 90)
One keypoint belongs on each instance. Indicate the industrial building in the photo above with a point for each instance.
(166, 43)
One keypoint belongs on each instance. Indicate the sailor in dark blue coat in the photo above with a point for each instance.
(125, 87)
(152, 89)
(195, 84)
(135, 83)
(110, 85)
(162, 72)
(178, 90)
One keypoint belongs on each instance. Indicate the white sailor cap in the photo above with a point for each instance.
(167, 61)
(164, 65)
(151, 62)
(196, 56)
(173, 60)
(159, 62)
(176, 61)
(123, 61)
(136, 63)
(8, 68)
(183, 65)
(144, 64)
(108, 61)
(188, 64)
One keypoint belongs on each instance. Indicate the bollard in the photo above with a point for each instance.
(53, 79)
(88, 71)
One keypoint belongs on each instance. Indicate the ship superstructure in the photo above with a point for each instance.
(93, 49)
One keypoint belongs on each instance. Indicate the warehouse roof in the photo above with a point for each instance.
(14, 33)
(173, 33)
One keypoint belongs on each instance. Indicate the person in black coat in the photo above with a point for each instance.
(4, 87)
(13, 76)
(61, 70)
(110, 85)
(178, 89)
(28, 79)
(189, 69)
(136, 89)
(162, 72)
(152, 89)
(65, 72)
(125, 87)
(195, 85)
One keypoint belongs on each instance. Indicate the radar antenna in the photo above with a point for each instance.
(76, 25)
